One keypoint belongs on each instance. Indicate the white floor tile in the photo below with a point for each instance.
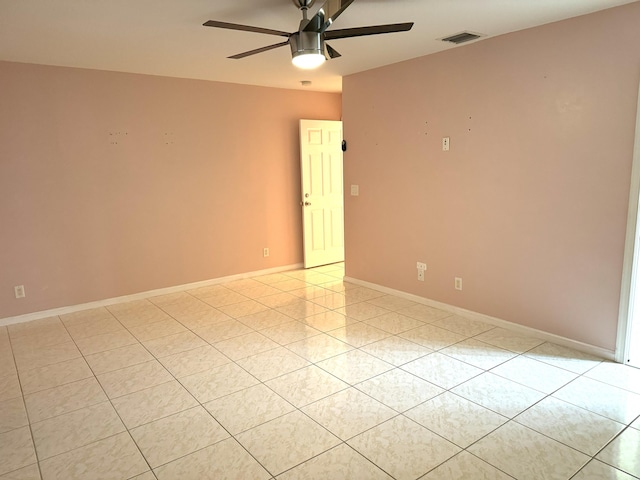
(528, 455)
(403, 448)
(300, 375)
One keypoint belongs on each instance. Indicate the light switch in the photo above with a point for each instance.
(355, 190)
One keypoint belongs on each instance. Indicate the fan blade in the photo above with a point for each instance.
(258, 50)
(333, 53)
(245, 28)
(362, 31)
(327, 15)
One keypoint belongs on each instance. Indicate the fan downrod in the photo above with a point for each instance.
(303, 4)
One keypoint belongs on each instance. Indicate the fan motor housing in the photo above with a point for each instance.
(305, 43)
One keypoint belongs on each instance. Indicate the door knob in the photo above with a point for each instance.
(306, 204)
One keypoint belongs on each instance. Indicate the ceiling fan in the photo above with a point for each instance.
(308, 42)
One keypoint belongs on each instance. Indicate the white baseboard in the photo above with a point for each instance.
(532, 332)
(141, 296)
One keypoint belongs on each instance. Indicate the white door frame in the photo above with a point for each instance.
(328, 198)
(630, 272)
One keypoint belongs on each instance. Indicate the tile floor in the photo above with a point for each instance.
(299, 375)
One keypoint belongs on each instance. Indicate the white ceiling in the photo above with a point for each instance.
(166, 37)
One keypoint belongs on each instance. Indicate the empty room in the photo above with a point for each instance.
(339, 239)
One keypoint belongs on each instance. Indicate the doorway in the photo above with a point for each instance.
(322, 200)
(628, 341)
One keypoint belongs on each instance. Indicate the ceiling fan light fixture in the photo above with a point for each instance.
(308, 61)
(307, 50)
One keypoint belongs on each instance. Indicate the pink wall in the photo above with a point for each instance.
(112, 184)
(529, 206)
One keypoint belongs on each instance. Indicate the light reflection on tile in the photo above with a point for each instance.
(326, 321)
(534, 374)
(359, 334)
(396, 351)
(361, 311)
(618, 375)
(615, 403)
(596, 470)
(624, 452)
(394, 323)
(302, 309)
(290, 332)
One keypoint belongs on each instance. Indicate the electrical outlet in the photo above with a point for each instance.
(445, 144)
(458, 283)
(421, 266)
(265, 252)
(420, 275)
(19, 291)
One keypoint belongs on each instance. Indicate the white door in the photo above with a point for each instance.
(322, 199)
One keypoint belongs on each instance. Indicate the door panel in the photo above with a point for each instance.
(322, 191)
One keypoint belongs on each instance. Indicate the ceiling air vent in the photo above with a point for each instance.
(462, 37)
